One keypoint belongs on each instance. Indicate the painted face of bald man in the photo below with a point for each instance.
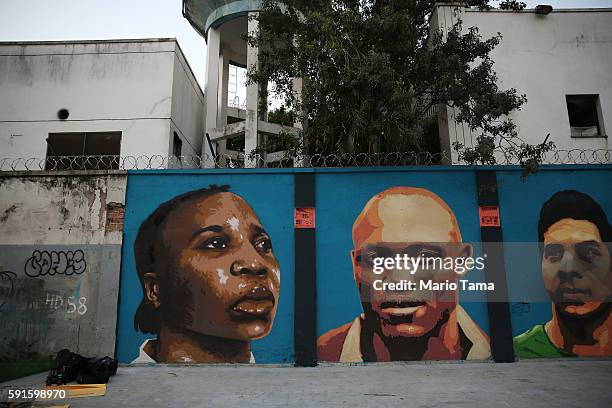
(418, 223)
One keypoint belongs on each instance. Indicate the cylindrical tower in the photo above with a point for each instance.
(223, 24)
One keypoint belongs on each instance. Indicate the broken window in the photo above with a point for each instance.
(584, 115)
(83, 151)
(177, 146)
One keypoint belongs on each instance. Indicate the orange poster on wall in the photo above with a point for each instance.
(489, 216)
(304, 217)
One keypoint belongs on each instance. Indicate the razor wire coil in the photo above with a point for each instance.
(239, 160)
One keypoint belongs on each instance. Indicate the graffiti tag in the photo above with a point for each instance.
(7, 286)
(55, 263)
(72, 303)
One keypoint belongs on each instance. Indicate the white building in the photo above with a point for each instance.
(140, 98)
(561, 60)
(116, 97)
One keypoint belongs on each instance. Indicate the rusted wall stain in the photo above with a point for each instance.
(8, 212)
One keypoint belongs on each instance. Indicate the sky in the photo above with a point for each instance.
(46, 20)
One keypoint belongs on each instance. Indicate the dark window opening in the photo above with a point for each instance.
(177, 146)
(235, 143)
(431, 135)
(583, 111)
(83, 151)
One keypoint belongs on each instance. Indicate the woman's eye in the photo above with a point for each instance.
(215, 243)
(263, 245)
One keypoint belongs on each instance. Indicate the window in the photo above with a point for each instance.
(584, 115)
(78, 146)
(177, 146)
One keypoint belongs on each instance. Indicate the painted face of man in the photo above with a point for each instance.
(222, 277)
(416, 221)
(576, 266)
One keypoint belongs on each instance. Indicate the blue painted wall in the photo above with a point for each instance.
(271, 196)
(341, 196)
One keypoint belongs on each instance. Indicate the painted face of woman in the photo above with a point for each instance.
(222, 278)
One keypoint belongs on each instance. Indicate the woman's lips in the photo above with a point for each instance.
(255, 305)
(256, 308)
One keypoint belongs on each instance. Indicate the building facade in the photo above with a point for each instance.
(116, 97)
(560, 60)
(139, 98)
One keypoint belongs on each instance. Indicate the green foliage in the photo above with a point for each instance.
(374, 74)
(284, 141)
(481, 4)
(282, 116)
(512, 5)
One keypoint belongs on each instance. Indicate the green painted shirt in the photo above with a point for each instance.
(534, 343)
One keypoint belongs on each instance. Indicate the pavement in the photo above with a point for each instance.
(523, 384)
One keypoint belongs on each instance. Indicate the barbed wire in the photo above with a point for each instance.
(274, 160)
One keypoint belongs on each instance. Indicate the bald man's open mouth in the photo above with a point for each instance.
(402, 312)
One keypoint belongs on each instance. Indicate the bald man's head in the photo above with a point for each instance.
(397, 222)
(405, 214)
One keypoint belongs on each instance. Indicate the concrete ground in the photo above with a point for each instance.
(524, 384)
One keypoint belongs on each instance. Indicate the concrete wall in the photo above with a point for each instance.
(567, 52)
(143, 88)
(60, 253)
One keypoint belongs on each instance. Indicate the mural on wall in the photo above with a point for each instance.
(576, 267)
(409, 325)
(209, 278)
(200, 278)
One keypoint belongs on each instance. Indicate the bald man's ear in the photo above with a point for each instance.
(151, 286)
(356, 270)
(466, 251)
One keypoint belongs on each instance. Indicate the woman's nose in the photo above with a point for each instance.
(255, 268)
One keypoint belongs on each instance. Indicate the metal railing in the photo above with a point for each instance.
(237, 160)
(235, 103)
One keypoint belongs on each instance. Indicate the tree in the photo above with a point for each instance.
(512, 5)
(373, 72)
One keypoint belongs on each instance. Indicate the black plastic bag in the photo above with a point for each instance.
(71, 366)
(97, 370)
(67, 366)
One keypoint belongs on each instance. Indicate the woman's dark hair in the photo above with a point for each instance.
(576, 205)
(145, 250)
